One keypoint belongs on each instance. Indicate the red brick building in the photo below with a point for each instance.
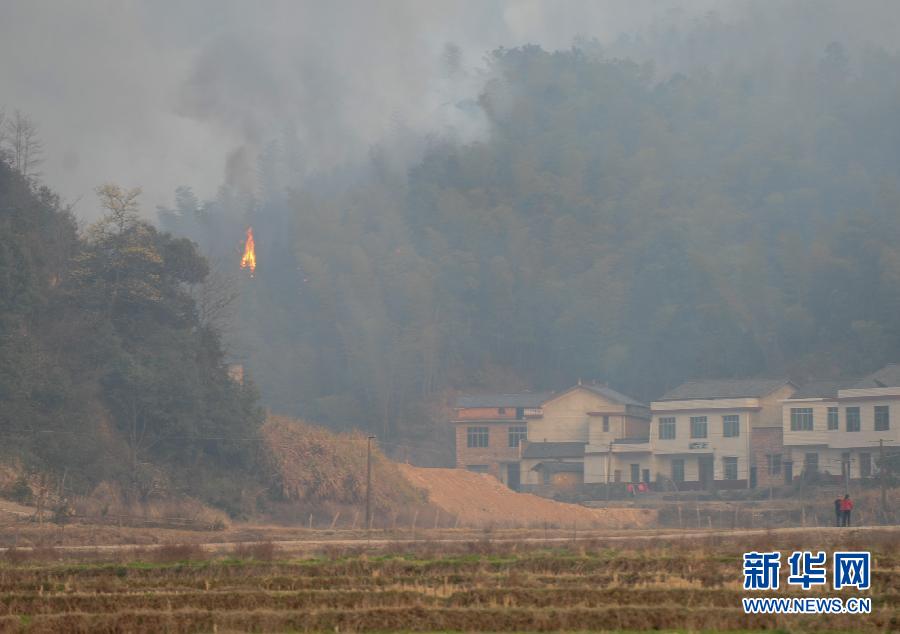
(490, 430)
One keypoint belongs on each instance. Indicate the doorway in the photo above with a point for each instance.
(513, 476)
(705, 471)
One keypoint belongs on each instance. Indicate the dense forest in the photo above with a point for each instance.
(107, 371)
(615, 224)
(640, 213)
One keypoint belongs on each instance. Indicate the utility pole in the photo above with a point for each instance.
(847, 478)
(608, 466)
(369, 482)
(882, 469)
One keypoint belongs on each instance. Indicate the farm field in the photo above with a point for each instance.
(478, 584)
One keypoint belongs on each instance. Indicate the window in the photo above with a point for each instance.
(477, 437)
(698, 426)
(801, 419)
(811, 463)
(773, 463)
(731, 426)
(865, 465)
(678, 469)
(729, 467)
(517, 434)
(667, 428)
(501, 410)
(882, 418)
(833, 419)
(477, 468)
(606, 423)
(852, 418)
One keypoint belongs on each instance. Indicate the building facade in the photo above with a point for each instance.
(723, 433)
(587, 434)
(612, 428)
(489, 432)
(840, 429)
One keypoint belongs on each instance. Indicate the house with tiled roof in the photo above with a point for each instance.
(722, 433)
(516, 437)
(837, 428)
(489, 430)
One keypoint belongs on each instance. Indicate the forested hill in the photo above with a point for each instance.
(613, 224)
(106, 370)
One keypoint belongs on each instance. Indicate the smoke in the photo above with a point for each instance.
(165, 93)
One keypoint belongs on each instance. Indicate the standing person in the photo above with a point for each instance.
(846, 508)
(838, 514)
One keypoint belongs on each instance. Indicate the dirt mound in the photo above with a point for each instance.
(482, 500)
(324, 473)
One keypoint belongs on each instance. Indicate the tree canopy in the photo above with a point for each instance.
(614, 224)
(106, 369)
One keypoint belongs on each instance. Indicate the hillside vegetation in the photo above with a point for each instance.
(106, 371)
(614, 223)
(322, 474)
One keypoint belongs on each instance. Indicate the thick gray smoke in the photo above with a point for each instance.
(165, 93)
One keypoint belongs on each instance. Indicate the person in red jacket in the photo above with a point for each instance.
(846, 508)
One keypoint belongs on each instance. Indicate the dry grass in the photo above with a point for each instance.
(109, 503)
(264, 551)
(326, 473)
(171, 553)
(479, 585)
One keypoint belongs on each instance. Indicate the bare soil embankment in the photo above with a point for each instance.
(481, 500)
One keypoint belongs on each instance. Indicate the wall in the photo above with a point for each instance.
(663, 466)
(485, 413)
(566, 417)
(770, 407)
(867, 436)
(820, 434)
(494, 455)
(595, 465)
(715, 442)
(765, 441)
(637, 427)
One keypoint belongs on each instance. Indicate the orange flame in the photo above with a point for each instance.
(249, 259)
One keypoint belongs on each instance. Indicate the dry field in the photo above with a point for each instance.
(475, 585)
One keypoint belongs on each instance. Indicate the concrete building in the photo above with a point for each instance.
(725, 433)
(606, 423)
(561, 440)
(837, 429)
(489, 430)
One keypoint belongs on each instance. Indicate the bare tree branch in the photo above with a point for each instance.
(25, 147)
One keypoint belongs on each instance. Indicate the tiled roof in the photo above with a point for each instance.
(525, 399)
(888, 376)
(821, 389)
(723, 388)
(553, 450)
(613, 395)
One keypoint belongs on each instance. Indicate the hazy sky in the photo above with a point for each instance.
(161, 93)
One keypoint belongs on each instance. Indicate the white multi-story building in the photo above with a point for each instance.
(722, 431)
(839, 428)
